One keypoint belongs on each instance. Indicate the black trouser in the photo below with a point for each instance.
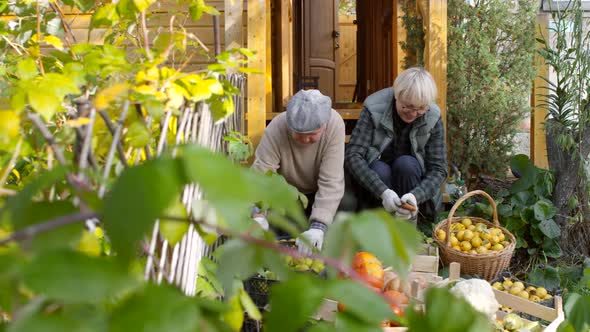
(402, 175)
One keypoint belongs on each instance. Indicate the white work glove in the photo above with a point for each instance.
(390, 200)
(313, 236)
(408, 198)
(262, 222)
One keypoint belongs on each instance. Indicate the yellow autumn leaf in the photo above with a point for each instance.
(54, 41)
(106, 96)
(79, 122)
(145, 89)
(214, 86)
(9, 125)
(175, 95)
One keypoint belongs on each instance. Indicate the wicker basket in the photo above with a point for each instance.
(487, 265)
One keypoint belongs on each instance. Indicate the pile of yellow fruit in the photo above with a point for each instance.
(518, 288)
(474, 239)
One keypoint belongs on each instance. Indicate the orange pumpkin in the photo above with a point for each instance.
(398, 311)
(369, 268)
(396, 297)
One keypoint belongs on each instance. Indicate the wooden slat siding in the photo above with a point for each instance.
(435, 53)
(347, 59)
(79, 22)
(538, 147)
(400, 35)
(256, 85)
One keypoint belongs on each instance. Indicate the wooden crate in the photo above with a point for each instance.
(427, 259)
(553, 315)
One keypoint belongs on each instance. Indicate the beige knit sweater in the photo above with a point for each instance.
(318, 167)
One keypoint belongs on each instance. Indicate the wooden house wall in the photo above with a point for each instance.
(161, 14)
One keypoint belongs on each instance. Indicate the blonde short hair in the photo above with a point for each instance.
(415, 86)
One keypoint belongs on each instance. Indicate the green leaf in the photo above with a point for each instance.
(544, 209)
(138, 135)
(157, 308)
(234, 317)
(551, 248)
(302, 289)
(211, 10)
(105, 16)
(85, 5)
(577, 311)
(21, 204)
(62, 274)
(46, 104)
(140, 196)
(339, 242)
(142, 5)
(174, 230)
(249, 305)
(550, 228)
(360, 301)
(54, 322)
(64, 236)
(216, 173)
(196, 9)
(371, 225)
(523, 165)
(221, 107)
(60, 85)
(27, 69)
(155, 108)
(546, 276)
(440, 305)
(236, 259)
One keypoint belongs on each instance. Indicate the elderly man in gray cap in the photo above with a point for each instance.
(306, 146)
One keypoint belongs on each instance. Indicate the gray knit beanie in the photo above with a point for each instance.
(308, 110)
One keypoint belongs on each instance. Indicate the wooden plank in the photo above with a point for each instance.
(399, 54)
(426, 260)
(286, 51)
(256, 97)
(538, 146)
(435, 52)
(268, 87)
(347, 59)
(233, 15)
(526, 306)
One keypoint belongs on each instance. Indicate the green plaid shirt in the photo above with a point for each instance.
(435, 159)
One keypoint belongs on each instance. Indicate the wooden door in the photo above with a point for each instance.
(318, 43)
(375, 46)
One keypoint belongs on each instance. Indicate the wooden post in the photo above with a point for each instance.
(268, 75)
(234, 10)
(538, 147)
(399, 54)
(286, 50)
(256, 99)
(435, 51)
(233, 28)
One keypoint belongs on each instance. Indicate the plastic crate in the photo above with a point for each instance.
(259, 289)
(251, 325)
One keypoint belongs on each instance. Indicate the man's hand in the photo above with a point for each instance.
(390, 200)
(402, 212)
(313, 236)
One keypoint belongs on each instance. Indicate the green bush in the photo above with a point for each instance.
(490, 71)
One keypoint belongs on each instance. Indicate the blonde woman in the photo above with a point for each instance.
(397, 151)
